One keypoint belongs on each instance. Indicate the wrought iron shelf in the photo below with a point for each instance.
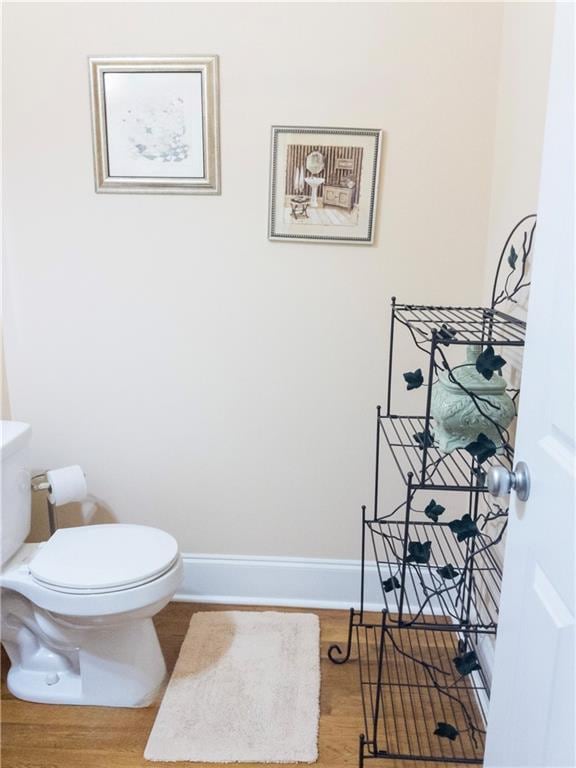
(409, 680)
(460, 325)
(434, 330)
(409, 685)
(423, 599)
(428, 468)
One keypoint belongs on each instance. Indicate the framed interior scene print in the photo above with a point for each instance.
(323, 184)
(155, 124)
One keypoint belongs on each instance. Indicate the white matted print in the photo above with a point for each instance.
(156, 124)
(323, 184)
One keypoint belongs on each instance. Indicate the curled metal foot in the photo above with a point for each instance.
(337, 655)
(335, 652)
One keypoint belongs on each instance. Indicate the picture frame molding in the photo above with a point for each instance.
(276, 131)
(208, 66)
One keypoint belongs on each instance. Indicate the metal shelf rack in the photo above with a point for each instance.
(434, 330)
(426, 467)
(440, 589)
(470, 325)
(424, 600)
(409, 688)
(424, 693)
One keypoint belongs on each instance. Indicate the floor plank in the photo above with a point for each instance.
(49, 736)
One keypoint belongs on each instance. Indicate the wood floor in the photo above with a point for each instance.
(48, 736)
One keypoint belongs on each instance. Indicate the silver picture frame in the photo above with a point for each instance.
(324, 184)
(170, 175)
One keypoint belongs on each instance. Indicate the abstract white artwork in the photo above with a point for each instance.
(155, 125)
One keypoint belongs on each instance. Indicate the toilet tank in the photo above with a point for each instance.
(16, 502)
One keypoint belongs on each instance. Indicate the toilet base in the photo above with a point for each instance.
(56, 662)
(31, 685)
(44, 687)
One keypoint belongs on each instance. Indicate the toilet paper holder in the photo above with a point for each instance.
(64, 485)
(40, 483)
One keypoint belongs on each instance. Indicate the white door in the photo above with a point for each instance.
(532, 716)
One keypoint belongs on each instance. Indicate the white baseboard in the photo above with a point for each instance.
(281, 581)
(486, 650)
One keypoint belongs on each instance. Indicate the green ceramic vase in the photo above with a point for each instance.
(457, 420)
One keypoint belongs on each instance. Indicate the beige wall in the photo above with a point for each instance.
(520, 114)
(518, 138)
(209, 381)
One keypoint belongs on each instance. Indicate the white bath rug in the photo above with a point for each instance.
(245, 689)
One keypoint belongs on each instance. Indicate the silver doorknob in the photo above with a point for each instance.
(500, 481)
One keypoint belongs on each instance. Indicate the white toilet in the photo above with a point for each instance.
(77, 609)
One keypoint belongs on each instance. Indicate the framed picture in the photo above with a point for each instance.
(155, 124)
(323, 184)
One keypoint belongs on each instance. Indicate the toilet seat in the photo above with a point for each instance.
(87, 606)
(99, 559)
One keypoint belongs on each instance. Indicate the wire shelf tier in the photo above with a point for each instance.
(409, 686)
(423, 599)
(466, 325)
(430, 468)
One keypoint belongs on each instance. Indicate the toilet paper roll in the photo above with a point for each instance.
(66, 484)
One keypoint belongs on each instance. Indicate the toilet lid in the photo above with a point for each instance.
(103, 557)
